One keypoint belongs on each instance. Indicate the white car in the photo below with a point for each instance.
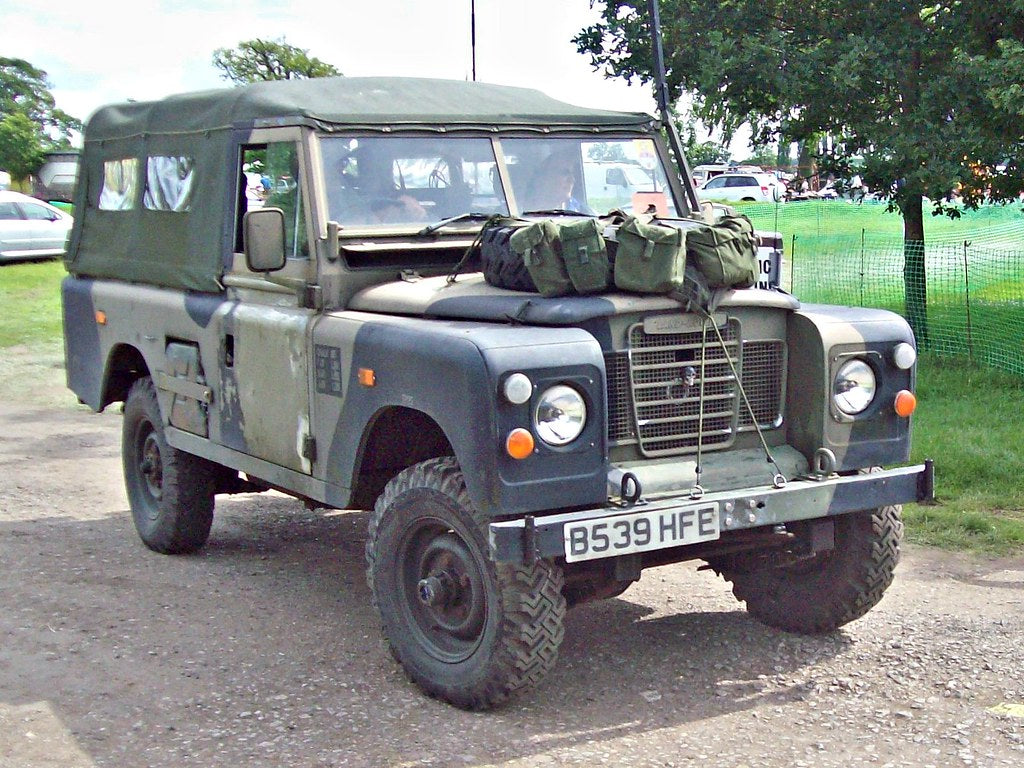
(737, 187)
(30, 228)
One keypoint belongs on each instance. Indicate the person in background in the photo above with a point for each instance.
(552, 186)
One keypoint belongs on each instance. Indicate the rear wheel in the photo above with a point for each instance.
(171, 493)
(832, 588)
(465, 629)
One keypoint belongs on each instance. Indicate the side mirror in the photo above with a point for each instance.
(263, 239)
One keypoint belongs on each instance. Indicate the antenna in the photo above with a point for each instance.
(661, 94)
(472, 33)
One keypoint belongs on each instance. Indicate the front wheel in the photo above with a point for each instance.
(465, 629)
(828, 590)
(171, 493)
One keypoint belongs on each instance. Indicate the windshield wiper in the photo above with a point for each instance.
(558, 212)
(469, 216)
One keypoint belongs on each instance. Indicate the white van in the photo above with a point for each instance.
(612, 184)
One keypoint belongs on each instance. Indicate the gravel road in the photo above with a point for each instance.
(263, 649)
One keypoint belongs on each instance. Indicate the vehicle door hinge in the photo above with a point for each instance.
(309, 448)
(313, 297)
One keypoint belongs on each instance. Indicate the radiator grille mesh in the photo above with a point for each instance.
(654, 389)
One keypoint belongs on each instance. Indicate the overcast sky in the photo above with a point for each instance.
(100, 51)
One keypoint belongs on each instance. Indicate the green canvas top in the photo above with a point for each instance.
(346, 102)
(191, 249)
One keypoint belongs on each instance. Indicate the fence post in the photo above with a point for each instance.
(862, 231)
(792, 267)
(967, 297)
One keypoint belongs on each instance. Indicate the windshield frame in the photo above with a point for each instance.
(515, 207)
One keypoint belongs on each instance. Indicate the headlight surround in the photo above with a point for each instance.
(560, 416)
(854, 387)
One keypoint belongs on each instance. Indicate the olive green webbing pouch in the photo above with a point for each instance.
(585, 256)
(540, 247)
(725, 252)
(650, 258)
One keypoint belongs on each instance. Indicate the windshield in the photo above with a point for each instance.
(587, 176)
(382, 181)
(386, 181)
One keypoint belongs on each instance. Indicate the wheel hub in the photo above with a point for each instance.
(151, 467)
(437, 590)
(444, 592)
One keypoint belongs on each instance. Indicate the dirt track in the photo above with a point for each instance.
(263, 650)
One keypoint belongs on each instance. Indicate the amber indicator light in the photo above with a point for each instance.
(101, 317)
(519, 443)
(905, 403)
(367, 377)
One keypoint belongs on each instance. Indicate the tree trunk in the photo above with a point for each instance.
(915, 281)
(805, 166)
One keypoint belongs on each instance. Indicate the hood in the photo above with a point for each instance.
(471, 298)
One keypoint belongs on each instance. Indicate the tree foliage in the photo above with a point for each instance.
(925, 95)
(21, 148)
(30, 122)
(254, 61)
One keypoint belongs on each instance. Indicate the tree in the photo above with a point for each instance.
(254, 61)
(766, 157)
(916, 93)
(608, 153)
(30, 122)
(25, 89)
(21, 149)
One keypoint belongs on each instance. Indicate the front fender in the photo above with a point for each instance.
(451, 372)
(820, 339)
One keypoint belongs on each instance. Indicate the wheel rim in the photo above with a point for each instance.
(150, 464)
(442, 590)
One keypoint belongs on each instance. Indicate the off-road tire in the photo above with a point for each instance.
(829, 590)
(502, 267)
(498, 631)
(171, 493)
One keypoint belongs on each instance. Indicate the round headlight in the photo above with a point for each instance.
(560, 415)
(854, 387)
(518, 388)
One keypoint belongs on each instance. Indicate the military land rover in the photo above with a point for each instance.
(281, 283)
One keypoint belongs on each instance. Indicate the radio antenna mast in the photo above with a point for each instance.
(472, 34)
(661, 94)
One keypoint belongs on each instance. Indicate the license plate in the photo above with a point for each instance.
(640, 532)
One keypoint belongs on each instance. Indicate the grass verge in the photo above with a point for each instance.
(30, 296)
(969, 420)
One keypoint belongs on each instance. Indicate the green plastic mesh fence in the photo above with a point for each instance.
(962, 290)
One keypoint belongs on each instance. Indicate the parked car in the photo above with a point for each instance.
(751, 187)
(30, 228)
(613, 185)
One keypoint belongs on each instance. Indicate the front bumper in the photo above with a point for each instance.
(523, 539)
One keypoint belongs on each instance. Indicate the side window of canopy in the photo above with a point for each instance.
(169, 182)
(120, 183)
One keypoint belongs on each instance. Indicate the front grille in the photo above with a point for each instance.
(763, 364)
(654, 389)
